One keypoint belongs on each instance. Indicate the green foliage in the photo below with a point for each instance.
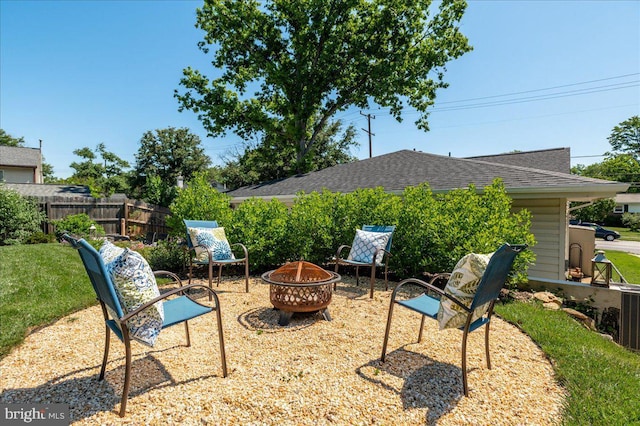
(262, 227)
(199, 201)
(20, 217)
(166, 255)
(631, 221)
(596, 212)
(103, 177)
(40, 238)
(310, 59)
(7, 140)
(78, 225)
(620, 168)
(625, 137)
(267, 162)
(165, 154)
(434, 232)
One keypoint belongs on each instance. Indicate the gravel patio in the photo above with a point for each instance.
(311, 372)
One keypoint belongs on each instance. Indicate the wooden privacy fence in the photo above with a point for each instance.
(117, 215)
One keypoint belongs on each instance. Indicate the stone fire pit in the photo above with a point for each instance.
(300, 287)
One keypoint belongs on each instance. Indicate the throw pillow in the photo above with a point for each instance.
(214, 239)
(462, 285)
(365, 245)
(135, 285)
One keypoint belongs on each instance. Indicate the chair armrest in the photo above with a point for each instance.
(244, 249)
(340, 249)
(169, 274)
(427, 287)
(163, 296)
(375, 255)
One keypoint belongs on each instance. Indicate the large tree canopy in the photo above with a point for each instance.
(625, 137)
(305, 60)
(165, 154)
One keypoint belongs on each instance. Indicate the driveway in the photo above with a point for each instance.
(619, 245)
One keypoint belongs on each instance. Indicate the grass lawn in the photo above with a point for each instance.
(41, 283)
(627, 264)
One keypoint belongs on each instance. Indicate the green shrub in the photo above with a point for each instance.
(20, 217)
(166, 255)
(40, 238)
(631, 221)
(261, 226)
(78, 225)
(199, 201)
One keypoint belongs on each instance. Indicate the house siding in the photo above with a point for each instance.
(548, 224)
(18, 175)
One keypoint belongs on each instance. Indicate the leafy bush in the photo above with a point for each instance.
(199, 201)
(631, 221)
(78, 225)
(40, 238)
(20, 217)
(167, 255)
(261, 226)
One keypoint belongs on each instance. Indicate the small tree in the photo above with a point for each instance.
(625, 137)
(20, 217)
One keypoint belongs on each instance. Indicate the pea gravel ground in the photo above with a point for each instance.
(311, 372)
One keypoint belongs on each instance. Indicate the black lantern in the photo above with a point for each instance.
(600, 270)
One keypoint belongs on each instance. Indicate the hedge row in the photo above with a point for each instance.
(433, 231)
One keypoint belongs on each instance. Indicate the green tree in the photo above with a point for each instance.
(268, 161)
(625, 137)
(620, 168)
(7, 140)
(103, 177)
(306, 60)
(596, 212)
(165, 154)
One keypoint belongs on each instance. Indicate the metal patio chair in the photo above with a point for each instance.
(177, 310)
(386, 254)
(492, 281)
(211, 261)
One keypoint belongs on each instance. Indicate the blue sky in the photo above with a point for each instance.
(543, 74)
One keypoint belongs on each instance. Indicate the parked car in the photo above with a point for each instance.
(601, 232)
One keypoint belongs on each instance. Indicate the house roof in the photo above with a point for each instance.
(632, 198)
(398, 170)
(555, 159)
(15, 156)
(40, 190)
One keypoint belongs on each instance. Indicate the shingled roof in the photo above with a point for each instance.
(20, 156)
(398, 170)
(43, 191)
(555, 159)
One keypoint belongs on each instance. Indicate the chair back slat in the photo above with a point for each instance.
(197, 224)
(98, 275)
(381, 228)
(496, 274)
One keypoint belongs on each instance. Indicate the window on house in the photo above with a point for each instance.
(618, 209)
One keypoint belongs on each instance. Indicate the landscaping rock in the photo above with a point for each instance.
(582, 318)
(547, 297)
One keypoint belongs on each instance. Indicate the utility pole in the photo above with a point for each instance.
(369, 117)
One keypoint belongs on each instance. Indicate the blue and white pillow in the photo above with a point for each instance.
(135, 285)
(366, 243)
(214, 239)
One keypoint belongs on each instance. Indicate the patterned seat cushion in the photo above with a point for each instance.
(135, 285)
(365, 245)
(462, 285)
(213, 238)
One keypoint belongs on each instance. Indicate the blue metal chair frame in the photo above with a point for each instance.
(210, 224)
(176, 310)
(488, 290)
(385, 258)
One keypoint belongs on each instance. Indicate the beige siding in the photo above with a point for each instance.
(17, 175)
(549, 225)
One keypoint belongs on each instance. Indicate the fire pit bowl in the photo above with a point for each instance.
(300, 287)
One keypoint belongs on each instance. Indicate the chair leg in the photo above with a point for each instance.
(246, 275)
(127, 373)
(421, 327)
(223, 355)
(219, 275)
(210, 269)
(372, 282)
(186, 329)
(190, 272)
(465, 387)
(386, 332)
(386, 278)
(357, 275)
(335, 285)
(105, 357)
(486, 344)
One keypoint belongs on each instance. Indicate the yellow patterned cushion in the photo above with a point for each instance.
(462, 285)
